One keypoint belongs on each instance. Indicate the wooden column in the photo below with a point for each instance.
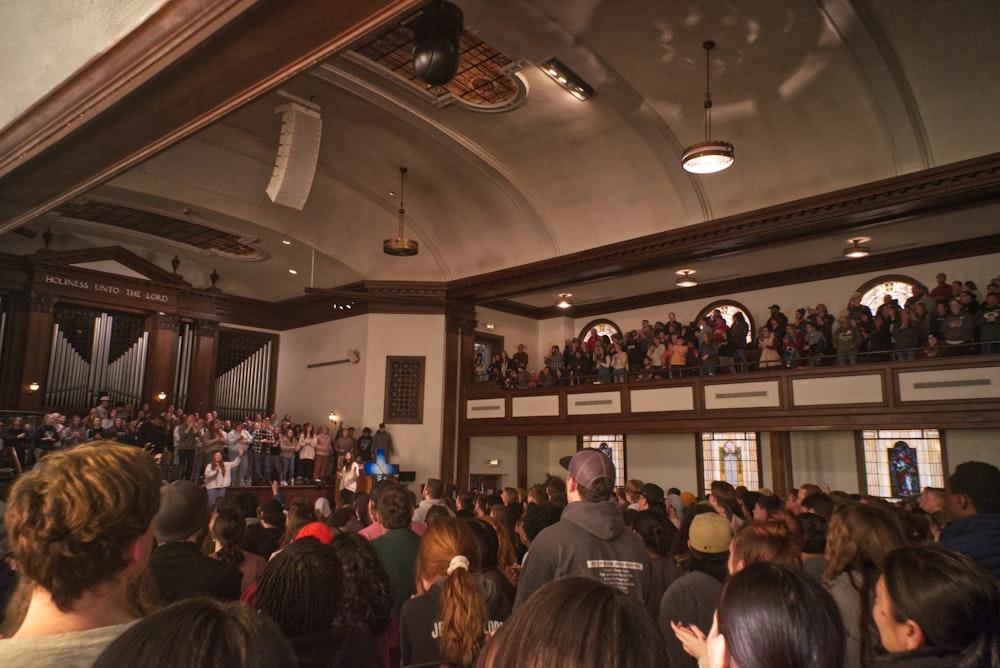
(37, 345)
(460, 329)
(522, 461)
(12, 347)
(202, 367)
(781, 463)
(161, 358)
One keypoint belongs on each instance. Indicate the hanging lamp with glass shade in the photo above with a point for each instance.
(400, 246)
(857, 250)
(709, 156)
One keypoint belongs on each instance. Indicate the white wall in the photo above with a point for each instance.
(504, 448)
(544, 453)
(310, 394)
(668, 460)
(43, 42)
(965, 445)
(825, 456)
(357, 391)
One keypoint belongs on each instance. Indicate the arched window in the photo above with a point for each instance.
(897, 288)
(728, 309)
(602, 327)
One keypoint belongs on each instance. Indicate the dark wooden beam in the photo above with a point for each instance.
(946, 188)
(202, 64)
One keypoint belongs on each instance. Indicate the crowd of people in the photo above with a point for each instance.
(949, 319)
(572, 572)
(207, 449)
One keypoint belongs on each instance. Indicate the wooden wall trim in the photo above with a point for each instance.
(890, 413)
(167, 35)
(942, 188)
(239, 57)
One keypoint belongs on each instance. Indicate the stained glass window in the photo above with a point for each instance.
(898, 290)
(602, 327)
(732, 456)
(897, 471)
(612, 445)
(728, 310)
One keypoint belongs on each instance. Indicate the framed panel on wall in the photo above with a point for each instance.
(404, 390)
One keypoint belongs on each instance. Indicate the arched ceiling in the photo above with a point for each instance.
(816, 95)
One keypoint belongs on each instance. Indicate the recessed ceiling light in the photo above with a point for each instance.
(286, 242)
(292, 271)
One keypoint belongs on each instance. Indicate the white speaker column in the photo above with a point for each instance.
(298, 151)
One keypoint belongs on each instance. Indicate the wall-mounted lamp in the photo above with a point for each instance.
(490, 326)
(33, 386)
(568, 79)
(334, 417)
(160, 396)
(493, 463)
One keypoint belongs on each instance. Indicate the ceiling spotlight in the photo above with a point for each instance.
(708, 156)
(856, 249)
(292, 272)
(568, 79)
(286, 242)
(564, 300)
(435, 42)
(400, 246)
(686, 280)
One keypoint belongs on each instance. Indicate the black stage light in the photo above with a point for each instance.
(435, 43)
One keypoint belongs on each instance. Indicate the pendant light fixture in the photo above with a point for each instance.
(857, 250)
(708, 156)
(687, 279)
(400, 246)
(564, 300)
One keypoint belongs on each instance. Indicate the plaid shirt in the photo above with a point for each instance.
(263, 438)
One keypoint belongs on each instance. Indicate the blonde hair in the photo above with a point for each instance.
(463, 613)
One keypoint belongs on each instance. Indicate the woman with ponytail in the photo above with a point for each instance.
(228, 530)
(455, 607)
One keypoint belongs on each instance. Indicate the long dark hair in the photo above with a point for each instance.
(229, 528)
(954, 601)
(657, 533)
(578, 621)
(299, 586)
(367, 595)
(775, 615)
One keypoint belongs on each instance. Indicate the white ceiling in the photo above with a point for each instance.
(816, 96)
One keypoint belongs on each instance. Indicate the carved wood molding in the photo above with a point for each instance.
(896, 259)
(939, 189)
(240, 55)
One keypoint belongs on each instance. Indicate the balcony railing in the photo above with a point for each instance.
(955, 390)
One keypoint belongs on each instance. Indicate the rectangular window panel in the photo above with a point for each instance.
(404, 390)
(616, 446)
(732, 456)
(901, 462)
